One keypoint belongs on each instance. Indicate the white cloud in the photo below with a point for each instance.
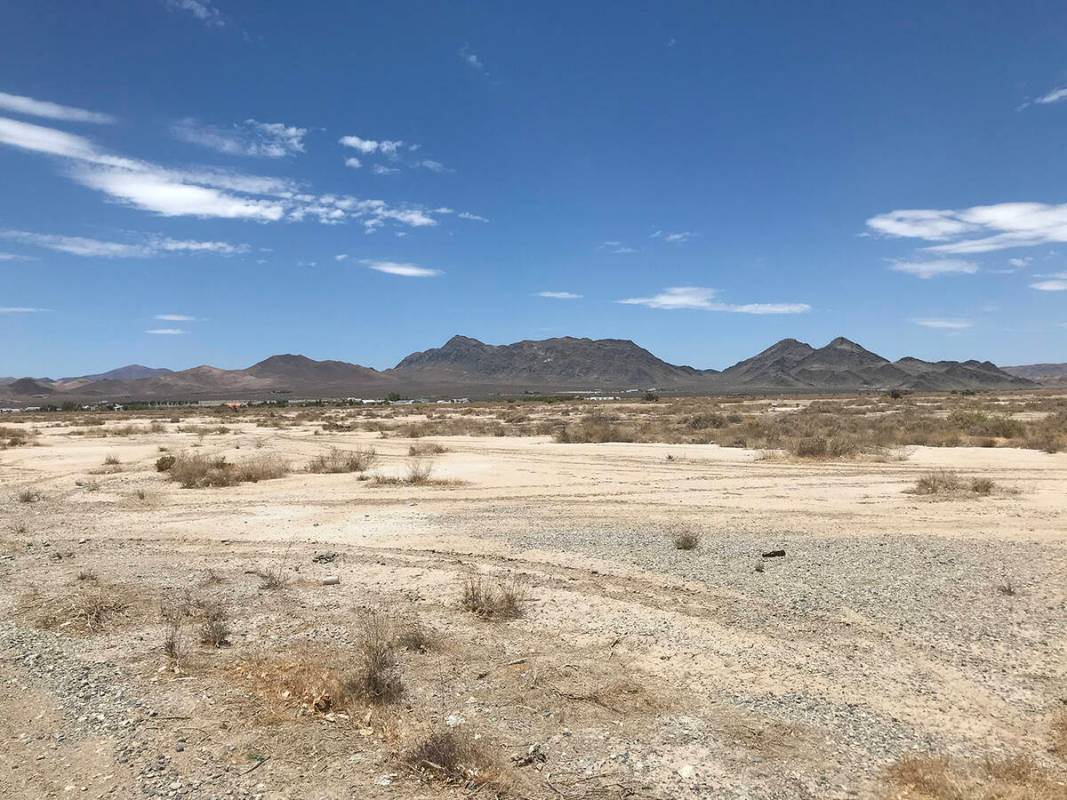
(166, 331)
(673, 238)
(1019, 263)
(1055, 96)
(9, 257)
(702, 298)
(201, 9)
(372, 146)
(944, 324)
(405, 270)
(42, 108)
(935, 267)
(353, 163)
(94, 248)
(381, 169)
(470, 216)
(201, 192)
(1055, 282)
(175, 318)
(470, 59)
(340, 257)
(617, 248)
(249, 138)
(22, 310)
(433, 166)
(560, 295)
(980, 229)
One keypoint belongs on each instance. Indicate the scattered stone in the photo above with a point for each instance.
(331, 580)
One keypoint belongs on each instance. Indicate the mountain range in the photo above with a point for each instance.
(467, 366)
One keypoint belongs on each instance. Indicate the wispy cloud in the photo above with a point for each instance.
(175, 318)
(201, 192)
(470, 58)
(1055, 282)
(22, 310)
(9, 257)
(945, 324)
(95, 248)
(472, 217)
(934, 267)
(404, 270)
(381, 169)
(203, 10)
(980, 229)
(560, 295)
(704, 299)
(617, 248)
(249, 138)
(673, 238)
(372, 146)
(166, 331)
(42, 108)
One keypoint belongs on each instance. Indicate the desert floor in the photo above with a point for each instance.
(894, 624)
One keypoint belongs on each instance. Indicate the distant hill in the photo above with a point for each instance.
(549, 363)
(467, 366)
(1050, 374)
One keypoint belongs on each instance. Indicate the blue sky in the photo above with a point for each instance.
(186, 182)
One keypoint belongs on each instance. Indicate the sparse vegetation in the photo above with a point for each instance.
(454, 756)
(164, 463)
(426, 449)
(338, 460)
(14, 437)
(686, 540)
(29, 496)
(198, 471)
(938, 778)
(498, 600)
(111, 461)
(214, 623)
(947, 483)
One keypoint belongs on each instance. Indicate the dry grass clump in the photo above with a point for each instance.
(164, 463)
(500, 600)
(823, 447)
(945, 482)
(198, 471)
(213, 623)
(686, 540)
(375, 675)
(89, 608)
(111, 461)
(419, 472)
(938, 778)
(594, 428)
(338, 460)
(29, 496)
(1059, 734)
(426, 449)
(204, 430)
(453, 756)
(15, 437)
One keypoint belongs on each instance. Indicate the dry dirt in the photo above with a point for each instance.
(894, 624)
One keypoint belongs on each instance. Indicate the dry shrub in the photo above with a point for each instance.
(501, 600)
(686, 540)
(419, 472)
(29, 496)
(214, 623)
(426, 449)
(945, 482)
(342, 461)
(173, 612)
(198, 471)
(88, 609)
(940, 481)
(375, 675)
(594, 428)
(164, 463)
(14, 437)
(111, 461)
(454, 757)
(823, 447)
(938, 778)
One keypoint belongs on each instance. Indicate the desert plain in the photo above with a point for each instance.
(386, 603)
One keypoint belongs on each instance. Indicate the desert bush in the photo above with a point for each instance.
(214, 623)
(29, 496)
(500, 600)
(164, 463)
(14, 437)
(197, 471)
(938, 482)
(111, 460)
(686, 541)
(982, 486)
(375, 677)
(593, 429)
(342, 461)
(88, 609)
(172, 612)
(453, 756)
(426, 449)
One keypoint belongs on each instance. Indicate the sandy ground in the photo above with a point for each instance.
(895, 623)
